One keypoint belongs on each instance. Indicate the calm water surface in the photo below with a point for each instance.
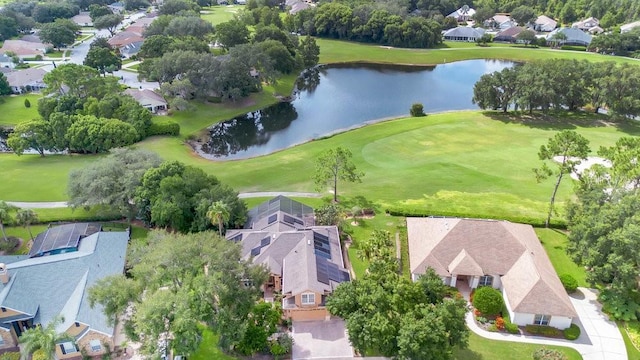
(334, 99)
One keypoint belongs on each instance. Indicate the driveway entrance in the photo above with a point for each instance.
(324, 339)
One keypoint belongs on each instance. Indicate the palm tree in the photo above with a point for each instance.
(26, 217)
(218, 214)
(5, 216)
(43, 339)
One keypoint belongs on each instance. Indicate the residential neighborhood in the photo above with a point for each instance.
(301, 179)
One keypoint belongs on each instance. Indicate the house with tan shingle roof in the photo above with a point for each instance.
(504, 255)
(304, 260)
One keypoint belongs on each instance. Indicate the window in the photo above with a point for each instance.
(68, 347)
(95, 345)
(4, 309)
(541, 319)
(308, 299)
(486, 280)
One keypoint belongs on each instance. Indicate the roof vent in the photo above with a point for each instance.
(4, 275)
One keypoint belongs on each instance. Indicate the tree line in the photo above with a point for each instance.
(83, 112)
(373, 23)
(627, 44)
(562, 84)
(176, 53)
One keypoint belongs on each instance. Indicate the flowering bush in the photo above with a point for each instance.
(500, 323)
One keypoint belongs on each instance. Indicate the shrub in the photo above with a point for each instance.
(500, 323)
(38, 57)
(476, 312)
(488, 300)
(548, 354)
(492, 328)
(10, 356)
(27, 103)
(569, 282)
(481, 319)
(511, 328)
(572, 332)
(9, 245)
(417, 110)
(543, 330)
(39, 355)
(166, 127)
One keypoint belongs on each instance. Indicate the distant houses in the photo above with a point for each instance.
(129, 41)
(83, 19)
(463, 14)
(544, 24)
(572, 36)
(463, 33)
(23, 48)
(628, 27)
(6, 61)
(509, 35)
(586, 24)
(148, 99)
(27, 80)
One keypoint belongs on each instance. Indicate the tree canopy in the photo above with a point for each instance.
(389, 314)
(187, 280)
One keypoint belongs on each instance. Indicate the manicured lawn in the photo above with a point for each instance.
(208, 349)
(484, 349)
(442, 164)
(221, 13)
(55, 54)
(632, 351)
(35, 178)
(332, 51)
(555, 244)
(13, 109)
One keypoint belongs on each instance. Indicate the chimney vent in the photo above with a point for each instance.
(4, 275)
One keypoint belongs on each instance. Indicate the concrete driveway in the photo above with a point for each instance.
(600, 338)
(321, 340)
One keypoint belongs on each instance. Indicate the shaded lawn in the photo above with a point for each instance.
(632, 351)
(23, 233)
(555, 244)
(221, 13)
(13, 109)
(485, 349)
(336, 51)
(208, 349)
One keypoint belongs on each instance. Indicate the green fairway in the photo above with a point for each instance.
(219, 14)
(463, 162)
(449, 163)
(555, 244)
(334, 51)
(485, 349)
(13, 109)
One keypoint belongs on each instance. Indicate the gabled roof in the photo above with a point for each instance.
(545, 20)
(464, 11)
(23, 47)
(465, 264)
(489, 247)
(511, 32)
(44, 287)
(125, 37)
(500, 18)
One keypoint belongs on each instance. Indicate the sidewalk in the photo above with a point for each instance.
(600, 338)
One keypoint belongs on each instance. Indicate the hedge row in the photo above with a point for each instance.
(421, 212)
(164, 127)
(543, 330)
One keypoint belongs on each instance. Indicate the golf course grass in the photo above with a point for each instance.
(219, 14)
(335, 51)
(14, 111)
(469, 163)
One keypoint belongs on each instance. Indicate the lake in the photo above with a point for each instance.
(333, 99)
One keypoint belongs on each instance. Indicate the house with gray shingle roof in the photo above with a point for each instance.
(36, 289)
(304, 260)
(507, 256)
(27, 80)
(463, 33)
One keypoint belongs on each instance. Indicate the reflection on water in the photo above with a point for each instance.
(332, 99)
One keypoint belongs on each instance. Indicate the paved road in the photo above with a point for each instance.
(600, 338)
(62, 204)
